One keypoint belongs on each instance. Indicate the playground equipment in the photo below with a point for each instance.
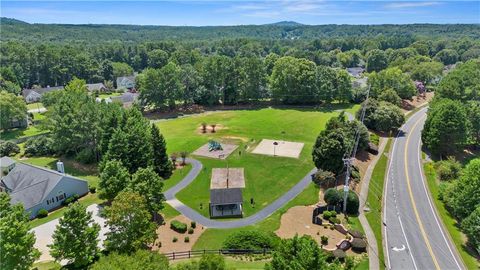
(214, 146)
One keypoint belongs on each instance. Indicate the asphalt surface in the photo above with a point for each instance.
(414, 237)
(211, 223)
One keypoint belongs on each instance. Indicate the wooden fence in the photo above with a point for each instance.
(176, 255)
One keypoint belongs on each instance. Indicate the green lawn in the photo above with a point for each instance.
(109, 95)
(176, 177)
(213, 238)
(18, 133)
(36, 105)
(374, 199)
(450, 222)
(267, 178)
(50, 265)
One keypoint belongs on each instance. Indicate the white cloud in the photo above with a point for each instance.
(411, 4)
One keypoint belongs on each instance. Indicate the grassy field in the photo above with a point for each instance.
(232, 263)
(213, 238)
(450, 222)
(177, 175)
(36, 105)
(109, 95)
(374, 200)
(267, 178)
(18, 133)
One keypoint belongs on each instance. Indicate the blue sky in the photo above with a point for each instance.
(214, 12)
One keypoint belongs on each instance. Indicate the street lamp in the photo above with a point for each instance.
(274, 144)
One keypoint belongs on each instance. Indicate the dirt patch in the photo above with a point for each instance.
(235, 138)
(362, 161)
(165, 236)
(278, 148)
(209, 129)
(417, 101)
(298, 220)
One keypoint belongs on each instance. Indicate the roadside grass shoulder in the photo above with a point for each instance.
(374, 200)
(451, 224)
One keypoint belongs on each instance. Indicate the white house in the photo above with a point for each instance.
(38, 188)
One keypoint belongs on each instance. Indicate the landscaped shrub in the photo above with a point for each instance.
(42, 213)
(70, 199)
(323, 178)
(332, 196)
(8, 149)
(193, 224)
(92, 190)
(39, 146)
(187, 239)
(334, 220)
(324, 239)
(374, 139)
(340, 254)
(178, 226)
(356, 234)
(448, 169)
(359, 245)
(352, 203)
(251, 240)
(190, 231)
(175, 239)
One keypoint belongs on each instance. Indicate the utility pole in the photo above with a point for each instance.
(350, 154)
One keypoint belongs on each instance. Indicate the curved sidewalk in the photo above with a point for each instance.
(209, 223)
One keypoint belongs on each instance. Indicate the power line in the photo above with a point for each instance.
(350, 154)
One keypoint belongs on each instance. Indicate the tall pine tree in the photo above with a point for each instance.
(161, 163)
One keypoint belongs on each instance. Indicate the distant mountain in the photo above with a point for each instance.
(287, 23)
(4, 20)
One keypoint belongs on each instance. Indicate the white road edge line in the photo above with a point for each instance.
(385, 204)
(431, 206)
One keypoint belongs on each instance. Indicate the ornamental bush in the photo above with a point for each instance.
(9, 149)
(324, 239)
(193, 224)
(352, 203)
(332, 196)
(178, 226)
(42, 213)
(190, 231)
(356, 234)
(323, 178)
(334, 220)
(251, 240)
(39, 146)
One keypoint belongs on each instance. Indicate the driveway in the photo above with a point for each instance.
(45, 231)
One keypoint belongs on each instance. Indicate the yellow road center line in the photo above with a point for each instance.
(422, 230)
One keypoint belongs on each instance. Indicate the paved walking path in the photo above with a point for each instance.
(372, 242)
(209, 223)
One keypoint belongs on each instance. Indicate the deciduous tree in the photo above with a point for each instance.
(130, 223)
(75, 237)
(113, 179)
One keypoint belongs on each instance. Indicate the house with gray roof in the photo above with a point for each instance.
(98, 87)
(126, 82)
(38, 188)
(127, 99)
(35, 94)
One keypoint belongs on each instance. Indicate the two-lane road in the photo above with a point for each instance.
(414, 237)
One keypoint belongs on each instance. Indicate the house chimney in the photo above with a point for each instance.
(60, 167)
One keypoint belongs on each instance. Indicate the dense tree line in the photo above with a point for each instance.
(57, 61)
(15, 29)
(453, 120)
